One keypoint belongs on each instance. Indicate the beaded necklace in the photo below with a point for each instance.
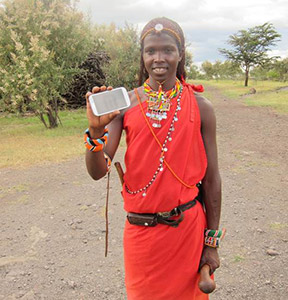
(164, 149)
(159, 102)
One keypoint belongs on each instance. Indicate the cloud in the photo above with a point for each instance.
(207, 24)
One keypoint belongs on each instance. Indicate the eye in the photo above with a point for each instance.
(150, 51)
(168, 50)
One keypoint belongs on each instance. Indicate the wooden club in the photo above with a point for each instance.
(206, 283)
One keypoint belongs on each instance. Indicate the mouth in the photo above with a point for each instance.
(159, 70)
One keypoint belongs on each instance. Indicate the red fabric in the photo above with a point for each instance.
(161, 262)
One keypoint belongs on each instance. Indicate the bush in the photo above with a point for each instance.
(41, 44)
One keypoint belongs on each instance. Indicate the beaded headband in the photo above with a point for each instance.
(158, 29)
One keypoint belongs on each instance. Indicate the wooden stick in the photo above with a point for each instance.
(206, 284)
(119, 171)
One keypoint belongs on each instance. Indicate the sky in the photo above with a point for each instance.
(207, 24)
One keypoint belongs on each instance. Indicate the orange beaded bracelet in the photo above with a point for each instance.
(95, 145)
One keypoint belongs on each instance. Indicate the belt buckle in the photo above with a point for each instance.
(165, 214)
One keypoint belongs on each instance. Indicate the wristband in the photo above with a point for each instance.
(95, 145)
(212, 238)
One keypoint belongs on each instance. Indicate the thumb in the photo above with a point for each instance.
(113, 115)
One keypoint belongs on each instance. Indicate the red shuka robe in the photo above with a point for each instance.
(162, 262)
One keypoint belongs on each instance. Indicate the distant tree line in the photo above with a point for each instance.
(276, 70)
(50, 55)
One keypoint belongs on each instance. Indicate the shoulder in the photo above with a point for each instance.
(205, 108)
(133, 98)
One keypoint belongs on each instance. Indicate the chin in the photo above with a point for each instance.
(159, 77)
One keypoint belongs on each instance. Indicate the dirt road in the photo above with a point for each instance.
(52, 225)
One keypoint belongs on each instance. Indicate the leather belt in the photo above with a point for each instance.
(172, 218)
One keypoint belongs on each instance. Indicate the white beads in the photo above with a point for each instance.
(164, 148)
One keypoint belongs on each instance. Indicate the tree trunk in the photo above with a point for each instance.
(52, 118)
(246, 76)
(42, 119)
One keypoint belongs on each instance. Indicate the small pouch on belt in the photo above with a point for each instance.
(149, 220)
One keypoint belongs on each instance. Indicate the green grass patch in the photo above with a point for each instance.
(276, 100)
(24, 141)
(238, 258)
(278, 226)
(267, 93)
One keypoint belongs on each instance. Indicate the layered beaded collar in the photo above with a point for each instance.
(164, 146)
(159, 101)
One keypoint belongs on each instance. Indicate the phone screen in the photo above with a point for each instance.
(110, 101)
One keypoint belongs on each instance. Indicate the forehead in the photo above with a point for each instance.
(159, 39)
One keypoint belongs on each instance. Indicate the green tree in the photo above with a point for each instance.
(192, 71)
(230, 70)
(251, 47)
(41, 44)
(276, 70)
(207, 68)
(122, 47)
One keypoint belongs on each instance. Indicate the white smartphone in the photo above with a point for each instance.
(106, 102)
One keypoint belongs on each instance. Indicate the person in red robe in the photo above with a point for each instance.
(171, 148)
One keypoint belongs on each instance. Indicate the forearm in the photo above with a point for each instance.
(96, 164)
(212, 200)
(95, 161)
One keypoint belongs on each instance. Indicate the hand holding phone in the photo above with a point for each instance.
(98, 123)
(109, 101)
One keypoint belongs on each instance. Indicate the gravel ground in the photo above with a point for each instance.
(52, 226)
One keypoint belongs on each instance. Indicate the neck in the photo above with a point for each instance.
(166, 85)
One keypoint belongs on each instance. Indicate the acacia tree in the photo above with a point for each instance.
(251, 47)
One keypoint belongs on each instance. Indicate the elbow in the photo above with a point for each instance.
(214, 181)
(97, 176)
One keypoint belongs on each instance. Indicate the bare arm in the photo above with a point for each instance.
(95, 161)
(212, 180)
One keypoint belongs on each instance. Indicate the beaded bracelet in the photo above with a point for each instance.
(213, 237)
(95, 145)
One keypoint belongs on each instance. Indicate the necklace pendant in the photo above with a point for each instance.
(159, 117)
(156, 125)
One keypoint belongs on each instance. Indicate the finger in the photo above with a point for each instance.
(109, 88)
(113, 115)
(103, 88)
(95, 89)
(87, 96)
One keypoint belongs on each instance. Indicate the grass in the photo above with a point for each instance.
(267, 93)
(238, 258)
(278, 226)
(277, 101)
(25, 141)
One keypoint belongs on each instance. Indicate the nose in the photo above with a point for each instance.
(159, 57)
